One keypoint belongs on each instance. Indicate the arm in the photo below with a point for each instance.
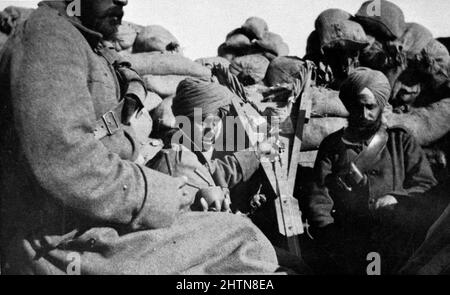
(319, 202)
(231, 170)
(419, 177)
(55, 118)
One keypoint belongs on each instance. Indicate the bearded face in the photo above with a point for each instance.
(103, 16)
(365, 115)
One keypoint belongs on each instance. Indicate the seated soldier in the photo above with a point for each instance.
(211, 173)
(73, 198)
(367, 178)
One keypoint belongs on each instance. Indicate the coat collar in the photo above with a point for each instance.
(94, 38)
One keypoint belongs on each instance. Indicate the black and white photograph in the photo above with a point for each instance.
(242, 140)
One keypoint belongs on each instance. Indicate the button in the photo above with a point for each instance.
(374, 172)
(125, 187)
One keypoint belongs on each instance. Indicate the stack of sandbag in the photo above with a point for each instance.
(253, 37)
(250, 49)
(11, 16)
(155, 54)
(328, 115)
(427, 62)
(335, 36)
(162, 72)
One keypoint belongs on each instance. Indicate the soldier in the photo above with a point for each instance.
(212, 172)
(365, 176)
(73, 199)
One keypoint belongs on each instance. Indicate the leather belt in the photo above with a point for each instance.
(109, 123)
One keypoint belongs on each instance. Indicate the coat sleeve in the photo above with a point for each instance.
(319, 202)
(419, 176)
(229, 171)
(54, 119)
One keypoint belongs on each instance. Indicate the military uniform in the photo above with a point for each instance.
(225, 171)
(67, 191)
(349, 228)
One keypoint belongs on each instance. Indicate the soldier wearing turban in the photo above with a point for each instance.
(204, 105)
(366, 175)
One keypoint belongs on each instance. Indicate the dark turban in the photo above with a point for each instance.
(363, 78)
(208, 96)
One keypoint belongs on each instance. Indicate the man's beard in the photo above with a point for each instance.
(108, 24)
(364, 129)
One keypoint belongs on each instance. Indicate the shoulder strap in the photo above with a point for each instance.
(369, 155)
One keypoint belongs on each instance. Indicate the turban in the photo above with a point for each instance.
(194, 93)
(363, 78)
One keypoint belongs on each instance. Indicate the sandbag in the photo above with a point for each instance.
(164, 86)
(284, 70)
(11, 16)
(255, 28)
(155, 63)
(238, 40)
(326, 103)
(343, 34)
(250, 69)
(330, 16)
(209, 62)
(388, 23)
(318, 129)
(226, 52)
(426, 124)
(155, 38)
(126, 35)
(415, 38)
(436, 62)
(273, 43)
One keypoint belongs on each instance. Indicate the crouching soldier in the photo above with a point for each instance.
(211, 173)
(367, 180)
(73, 199)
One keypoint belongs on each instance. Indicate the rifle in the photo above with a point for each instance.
(281, 170)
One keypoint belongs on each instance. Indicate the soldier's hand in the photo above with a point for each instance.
(212, 199)
(258, 201)
(267, 149)
(387, 202)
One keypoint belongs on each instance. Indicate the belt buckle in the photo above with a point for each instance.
(111, 123)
